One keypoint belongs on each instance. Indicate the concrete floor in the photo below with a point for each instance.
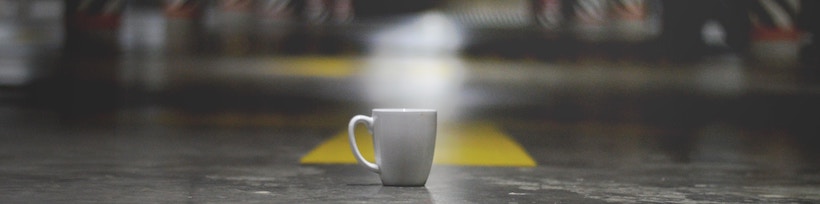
(47, 161)
(222, 112)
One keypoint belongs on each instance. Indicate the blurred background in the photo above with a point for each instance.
(683, 68)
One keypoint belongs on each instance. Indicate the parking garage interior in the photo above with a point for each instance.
(541, 101)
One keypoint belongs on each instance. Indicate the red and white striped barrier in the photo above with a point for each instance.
(84, 15)
(236, 5)
(186, 9)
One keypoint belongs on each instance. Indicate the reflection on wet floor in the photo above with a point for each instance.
(198, 88)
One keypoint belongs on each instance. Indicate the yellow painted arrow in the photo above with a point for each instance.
(475, 144)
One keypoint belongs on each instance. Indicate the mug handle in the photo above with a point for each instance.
(368, 121)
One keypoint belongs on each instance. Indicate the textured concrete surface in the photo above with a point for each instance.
(43, 161)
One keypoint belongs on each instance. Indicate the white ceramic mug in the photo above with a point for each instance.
(404, 141)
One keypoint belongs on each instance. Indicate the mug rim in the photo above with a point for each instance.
(404, 110)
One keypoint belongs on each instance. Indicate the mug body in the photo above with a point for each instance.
(404, 143)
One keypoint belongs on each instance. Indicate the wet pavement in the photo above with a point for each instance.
(222, 109)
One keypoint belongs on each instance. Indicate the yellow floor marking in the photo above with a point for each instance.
(478, 144)
(323, 67)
